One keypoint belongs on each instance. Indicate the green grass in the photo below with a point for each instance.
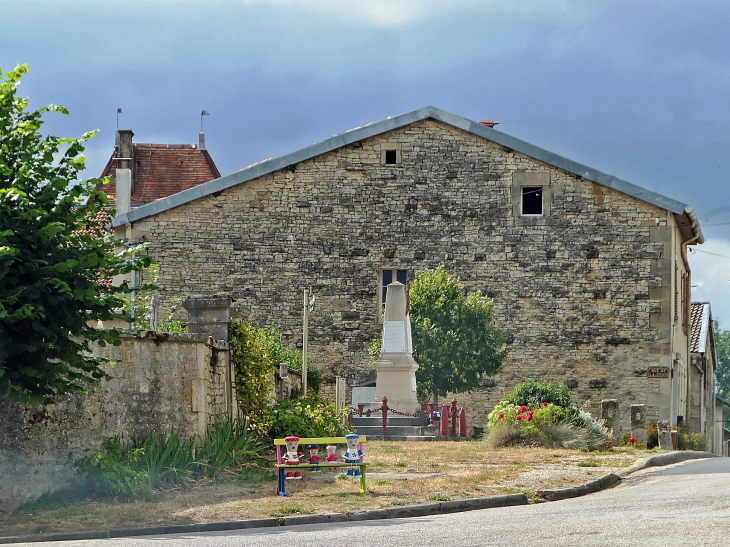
(587, 464)
(439, 497)
(400, 464)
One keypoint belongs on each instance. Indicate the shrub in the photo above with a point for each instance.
(134, 468)
(652, 436)
(535, 393)
(279, 353)
(115, 469)
(690, 441)
(310, 417)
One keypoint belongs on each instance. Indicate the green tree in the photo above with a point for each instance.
(54, 251)
(455, 340)
(722, 375)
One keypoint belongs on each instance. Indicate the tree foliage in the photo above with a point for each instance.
(722, 376)
(455, 340)
(54, 251)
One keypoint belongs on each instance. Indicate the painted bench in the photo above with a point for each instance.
(321, 441)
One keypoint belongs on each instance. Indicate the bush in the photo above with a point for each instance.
(535, 393)
(279, 353)
(690, 441)
(130, 469)
(310, 417)
(652, 436)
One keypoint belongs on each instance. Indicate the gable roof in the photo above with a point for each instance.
(162, 170)
(685, 216)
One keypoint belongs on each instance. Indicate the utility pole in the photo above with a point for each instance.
(308, 308)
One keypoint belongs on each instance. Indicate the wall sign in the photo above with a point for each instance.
(659, 373)
(394, 337)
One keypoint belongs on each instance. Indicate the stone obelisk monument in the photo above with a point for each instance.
(396, 366)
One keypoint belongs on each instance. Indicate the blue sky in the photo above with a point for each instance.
(638, 89)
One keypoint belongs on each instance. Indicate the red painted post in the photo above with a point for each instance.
(453, 418)
(462, 423)
(349, 416)
(385, 416)
(431, 408)
(445, 420)
(360, 407)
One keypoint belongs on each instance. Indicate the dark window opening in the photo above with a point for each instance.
(532, 200)
(401, 276)
(390, 157)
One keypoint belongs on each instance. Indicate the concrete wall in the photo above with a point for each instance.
(584, 292)
(161, 382)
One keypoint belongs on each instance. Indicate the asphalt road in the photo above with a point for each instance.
(686, 505)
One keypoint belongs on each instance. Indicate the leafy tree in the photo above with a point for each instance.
(455, 340)
(722, 375)
(54, 252)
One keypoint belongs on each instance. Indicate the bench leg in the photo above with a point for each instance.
(363, 489)
(282, 482)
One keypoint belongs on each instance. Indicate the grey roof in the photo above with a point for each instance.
(376, 128)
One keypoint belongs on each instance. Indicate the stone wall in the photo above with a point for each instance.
(160, 383)
(582, 292)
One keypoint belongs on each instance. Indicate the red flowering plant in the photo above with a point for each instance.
(525, 417)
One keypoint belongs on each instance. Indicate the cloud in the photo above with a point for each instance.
(397, 12)
(710, 264)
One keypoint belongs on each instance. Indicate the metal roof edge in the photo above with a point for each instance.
(375, 128)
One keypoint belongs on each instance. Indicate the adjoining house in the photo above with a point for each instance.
(589, 273)
(156, 170)
(701, 414)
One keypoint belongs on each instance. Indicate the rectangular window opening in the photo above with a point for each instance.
(386, 278)
(391, 157)
(532, 200)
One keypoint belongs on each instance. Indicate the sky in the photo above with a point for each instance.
(639, 89)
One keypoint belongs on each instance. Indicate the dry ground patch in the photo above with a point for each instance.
(400, 473)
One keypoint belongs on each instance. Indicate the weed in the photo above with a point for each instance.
(439, 497)
(381, 464)
(290, 509)
(382, 482)
(433, 465)
(587, 464)
(400, 464)
(399, 502)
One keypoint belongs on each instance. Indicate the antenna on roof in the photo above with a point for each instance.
(116, 135)
(201, 137)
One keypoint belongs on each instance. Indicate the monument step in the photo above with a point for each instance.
(394, 420)
(405, 430)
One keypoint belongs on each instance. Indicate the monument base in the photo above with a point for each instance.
(396, 380)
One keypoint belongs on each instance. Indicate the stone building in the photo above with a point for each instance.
(701, 413)
(588, 273)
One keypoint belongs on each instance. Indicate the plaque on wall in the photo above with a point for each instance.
(394, 337)
(659, 373)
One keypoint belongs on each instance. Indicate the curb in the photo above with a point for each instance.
(612, 479)
(666, 459)
(356, 516)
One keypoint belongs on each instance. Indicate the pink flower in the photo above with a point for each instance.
(544, 403)
(529, 415)
(519, 417)
(632, 440)
(523, 408)
(501, 417)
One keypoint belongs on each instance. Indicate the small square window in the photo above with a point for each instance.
(391, 157)
(532, 200)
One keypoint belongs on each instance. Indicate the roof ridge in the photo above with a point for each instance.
(372, 129)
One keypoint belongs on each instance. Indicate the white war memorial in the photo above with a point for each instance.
(396, 368)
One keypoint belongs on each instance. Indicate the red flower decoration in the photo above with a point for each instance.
(544, 403)
(519, 417)
(501, 417)
(632, 440)
(523, 408)
(529, 415)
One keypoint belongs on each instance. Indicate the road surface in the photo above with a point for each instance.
(685, 505)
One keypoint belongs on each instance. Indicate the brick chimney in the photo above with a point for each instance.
(124, 177)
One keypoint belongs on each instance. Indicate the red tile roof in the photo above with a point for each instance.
(161, 170)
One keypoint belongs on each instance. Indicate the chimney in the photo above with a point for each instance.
(201, 141)
(488, 123)
(124, 178)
